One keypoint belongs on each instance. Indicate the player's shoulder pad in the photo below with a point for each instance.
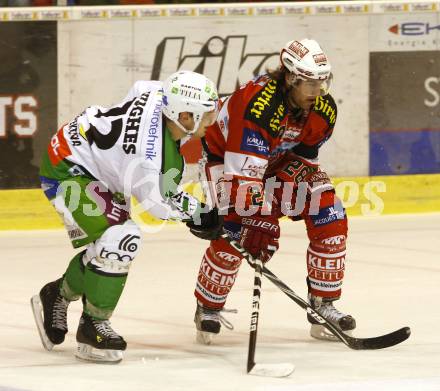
(266, 106)
(325, 106)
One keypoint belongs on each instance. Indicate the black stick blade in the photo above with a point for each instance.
(381, 342)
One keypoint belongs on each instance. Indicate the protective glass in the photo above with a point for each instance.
(313, 87)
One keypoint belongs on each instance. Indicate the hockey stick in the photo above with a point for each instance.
(253, 368)
(272, 370)
(380, 342)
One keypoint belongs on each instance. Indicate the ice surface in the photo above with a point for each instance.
(392, 280)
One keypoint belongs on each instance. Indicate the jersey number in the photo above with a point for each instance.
(106, 141)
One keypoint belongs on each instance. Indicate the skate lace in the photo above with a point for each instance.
(216, 316)
(103, 327)
(59, 319)
(328, 311)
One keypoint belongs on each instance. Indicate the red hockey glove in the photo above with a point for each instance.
(259, 236)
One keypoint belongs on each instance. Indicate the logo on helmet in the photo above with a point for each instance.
(320, 58)
(299, 49)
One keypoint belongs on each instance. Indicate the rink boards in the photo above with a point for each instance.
(367, 196)
(59, 60)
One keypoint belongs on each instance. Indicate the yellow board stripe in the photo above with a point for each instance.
(29, 209)
(395, 194)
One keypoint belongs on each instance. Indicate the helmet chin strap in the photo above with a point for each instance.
(186, 131)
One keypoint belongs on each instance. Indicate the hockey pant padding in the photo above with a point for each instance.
(218, 270)
(327, 232)
(86, 206)
(108, 261)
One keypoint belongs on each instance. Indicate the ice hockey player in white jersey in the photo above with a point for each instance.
(93, 165)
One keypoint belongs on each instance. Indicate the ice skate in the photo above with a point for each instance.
(50, 313)
(325, 307)
(98, 342)
(208, 323)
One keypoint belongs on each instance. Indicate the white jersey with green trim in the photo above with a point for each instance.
(123, 147)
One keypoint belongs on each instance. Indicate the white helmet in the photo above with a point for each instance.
(305, 60)
(186, 91)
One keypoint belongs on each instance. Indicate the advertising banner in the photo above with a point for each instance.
(28, 99)
(384, 56)
(405, 112)
(405, 94)
(99, 61)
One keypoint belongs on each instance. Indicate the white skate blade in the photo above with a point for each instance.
(37, 310)
(320, 332)
(272, 370)
(204, 338)
(88, 353)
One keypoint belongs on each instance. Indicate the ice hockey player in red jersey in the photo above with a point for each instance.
(263, 150)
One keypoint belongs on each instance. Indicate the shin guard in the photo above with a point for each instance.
(217, 274)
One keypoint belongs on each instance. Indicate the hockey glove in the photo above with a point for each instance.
(259, 236)
(208, 227)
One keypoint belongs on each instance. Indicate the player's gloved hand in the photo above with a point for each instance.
(208, 226)
(259, 236)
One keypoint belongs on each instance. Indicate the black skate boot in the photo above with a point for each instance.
(50, 313)
(208, 323)
(98, 342)
(324, 306)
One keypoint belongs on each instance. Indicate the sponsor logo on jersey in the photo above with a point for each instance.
(233, 234)
(116, 213)
(227, 256)
(250, 169)
(129, 243)
(263, 99)
(153, 130)
(114, 256)
(76, 233)
(328, 264)
(265, 110)
(253, 141)
(339, 239)
(328, 215)
(291, 133)
(58, 148)
(215, 276)
(133, 123)
(72, 131)
(325, 286)
(326, 107)
(266, 225)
